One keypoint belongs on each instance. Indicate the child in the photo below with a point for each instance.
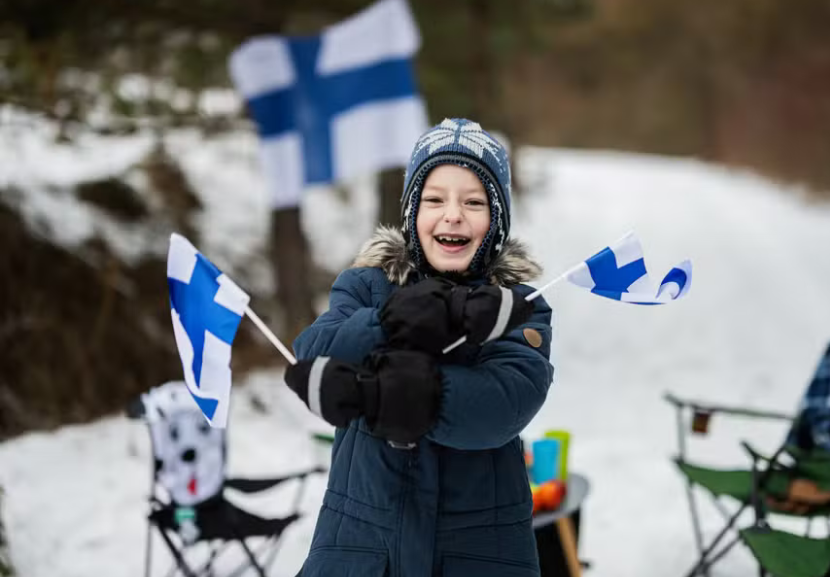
(427, 475)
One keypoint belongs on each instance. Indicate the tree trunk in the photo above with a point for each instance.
(481, 60)
(488, 102)
(292, 263)
(390, 190)
(290, 255)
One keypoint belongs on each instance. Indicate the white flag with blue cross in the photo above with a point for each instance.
(333, 106)
(619, 272)
(206, 307)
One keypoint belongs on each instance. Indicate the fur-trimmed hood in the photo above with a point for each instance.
(387, 250)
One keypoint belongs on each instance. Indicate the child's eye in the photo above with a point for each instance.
(432, 199)
(476, 202)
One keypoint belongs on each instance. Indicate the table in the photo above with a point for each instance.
(557, 531)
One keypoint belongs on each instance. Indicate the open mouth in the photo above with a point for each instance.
(452, 240)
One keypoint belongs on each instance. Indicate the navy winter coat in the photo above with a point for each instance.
(459, 503)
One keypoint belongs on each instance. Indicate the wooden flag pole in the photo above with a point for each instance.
(270, 335)
(528, 298)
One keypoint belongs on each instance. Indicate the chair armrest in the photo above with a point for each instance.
(760, 477)
(714, 408)
(256, 485)
(775, 459)
(756, 456)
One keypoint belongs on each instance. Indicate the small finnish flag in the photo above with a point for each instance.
(206, 307)
(619, 272)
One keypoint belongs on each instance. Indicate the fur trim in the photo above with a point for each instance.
(387, 250)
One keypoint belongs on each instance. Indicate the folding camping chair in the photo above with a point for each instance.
(781, 553)
(769, 485)
(188, 505)
(803, 456)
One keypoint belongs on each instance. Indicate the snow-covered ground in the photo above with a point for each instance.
(749, 333)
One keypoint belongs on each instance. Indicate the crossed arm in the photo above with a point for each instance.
(483, 405)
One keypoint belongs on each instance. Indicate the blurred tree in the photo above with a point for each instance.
(740, 81)
(745, 82)
(146, 62)
(86, 53)
(390, 187)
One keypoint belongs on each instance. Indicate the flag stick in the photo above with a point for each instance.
(270, 336)
(528, 298)
(537, 292)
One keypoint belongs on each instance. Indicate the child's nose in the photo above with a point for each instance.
(452, 212)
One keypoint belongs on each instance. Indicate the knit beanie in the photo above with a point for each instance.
(463, 143)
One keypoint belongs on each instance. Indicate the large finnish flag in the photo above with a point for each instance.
(207, 308)
(618, 272)
(333, 106)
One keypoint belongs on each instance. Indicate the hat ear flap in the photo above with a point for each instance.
(496, 236)
(409, 227)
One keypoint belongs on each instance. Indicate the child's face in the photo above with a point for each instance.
(453, 217)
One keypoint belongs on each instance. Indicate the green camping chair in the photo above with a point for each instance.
(779, 553)
(742, 485)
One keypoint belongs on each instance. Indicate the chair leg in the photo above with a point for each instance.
(174, 570)
(703, 563)
(148, 549)
(696, 522)
(681, 450)
(258, 555)
(726, 549)
(211, 559)
(252, 558)
(273, 554)
(298, 498)
(206, 569)
(724, 512)
(180, 562)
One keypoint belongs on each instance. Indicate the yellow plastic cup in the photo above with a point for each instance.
(564, 438)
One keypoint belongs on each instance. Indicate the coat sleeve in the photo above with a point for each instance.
(350, 329)
(487, 404)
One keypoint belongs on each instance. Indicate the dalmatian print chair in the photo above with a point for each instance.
(187, 503)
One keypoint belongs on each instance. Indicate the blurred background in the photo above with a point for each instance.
(702, 125)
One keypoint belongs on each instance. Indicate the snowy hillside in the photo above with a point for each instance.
(749, 333)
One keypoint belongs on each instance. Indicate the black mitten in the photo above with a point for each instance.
(416, 317)
(336, 391)
(409, 394)
(491, 311)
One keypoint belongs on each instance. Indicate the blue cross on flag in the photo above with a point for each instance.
(207, 308)
(618, 272)
(333, 106)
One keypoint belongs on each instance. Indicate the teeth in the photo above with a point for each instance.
(452, 240)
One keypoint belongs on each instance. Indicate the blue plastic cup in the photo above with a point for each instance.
(545, 460)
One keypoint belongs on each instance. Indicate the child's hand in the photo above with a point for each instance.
(431, 314)
(491, 311)
(336, 391)
(418, 316)
(409, 394)
(399, 393)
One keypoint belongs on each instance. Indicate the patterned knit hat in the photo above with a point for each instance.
(463, 143)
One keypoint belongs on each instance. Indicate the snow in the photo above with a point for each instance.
(749, 333)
